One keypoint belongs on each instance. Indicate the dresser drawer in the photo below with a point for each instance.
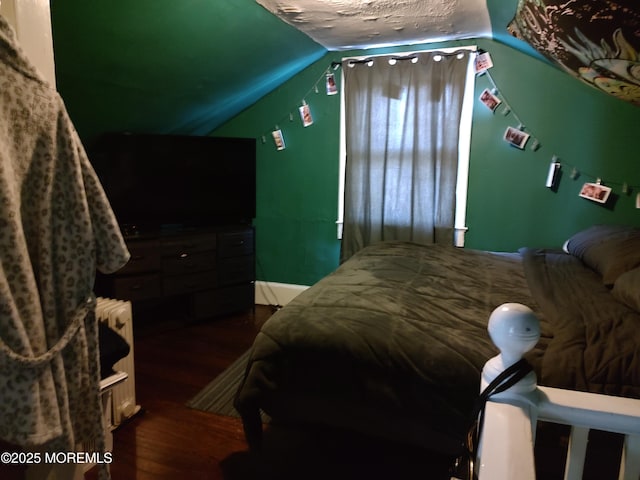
(210, 271)
(235, 244)
(195, 282)
(189, 262)
(236, 270)
(145, 257)
(176, 246)
(137, 287)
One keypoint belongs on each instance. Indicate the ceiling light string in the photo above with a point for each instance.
(328, 79)
(557, 164)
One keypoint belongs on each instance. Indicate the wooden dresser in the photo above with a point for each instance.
(212, 269)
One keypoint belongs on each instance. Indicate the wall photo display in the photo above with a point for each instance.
(595, 192)
(516, 137)
(490, 100)
(305, 115)
(483, 62)
(278, 139)
(331, 86)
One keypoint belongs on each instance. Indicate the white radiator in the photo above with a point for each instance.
(118, 316)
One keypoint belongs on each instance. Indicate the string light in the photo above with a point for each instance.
(314, 89)
(507, 109)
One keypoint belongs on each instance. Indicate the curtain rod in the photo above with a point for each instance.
(411, 56)
(367, 60)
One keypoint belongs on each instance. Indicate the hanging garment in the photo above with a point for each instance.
(56, 229)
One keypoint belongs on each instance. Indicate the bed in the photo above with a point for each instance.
(393, 342)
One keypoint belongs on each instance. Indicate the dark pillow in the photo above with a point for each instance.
(627, 289)
(610, 250)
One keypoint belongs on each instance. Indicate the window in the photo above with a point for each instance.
(463, 126)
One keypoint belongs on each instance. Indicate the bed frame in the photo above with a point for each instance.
(507, 440)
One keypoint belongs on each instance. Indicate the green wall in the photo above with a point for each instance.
(508, 206)
(297, 188)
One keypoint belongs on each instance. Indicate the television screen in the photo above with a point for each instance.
(156, 182)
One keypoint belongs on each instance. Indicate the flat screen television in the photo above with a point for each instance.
(157, 182)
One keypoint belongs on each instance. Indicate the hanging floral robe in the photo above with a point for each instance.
(56, 228)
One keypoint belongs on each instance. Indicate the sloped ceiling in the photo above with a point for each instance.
(188, 66)
(169, 66)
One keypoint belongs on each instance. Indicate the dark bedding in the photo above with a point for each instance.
(596, 339)
(393, 342)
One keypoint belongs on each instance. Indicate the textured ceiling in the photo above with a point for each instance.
(348, 24)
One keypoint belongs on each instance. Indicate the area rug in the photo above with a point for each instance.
(217, 396)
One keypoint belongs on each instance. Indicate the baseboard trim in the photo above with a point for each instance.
(273, 293)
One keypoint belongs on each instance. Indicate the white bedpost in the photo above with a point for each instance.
(515, 330)
(507, 441)
(506, 449)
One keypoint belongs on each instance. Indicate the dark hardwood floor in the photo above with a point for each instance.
(168, 440)
(174, 361)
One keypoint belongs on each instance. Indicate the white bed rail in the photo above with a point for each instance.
(508, 435)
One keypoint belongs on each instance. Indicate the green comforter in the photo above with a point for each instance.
(392, 344)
